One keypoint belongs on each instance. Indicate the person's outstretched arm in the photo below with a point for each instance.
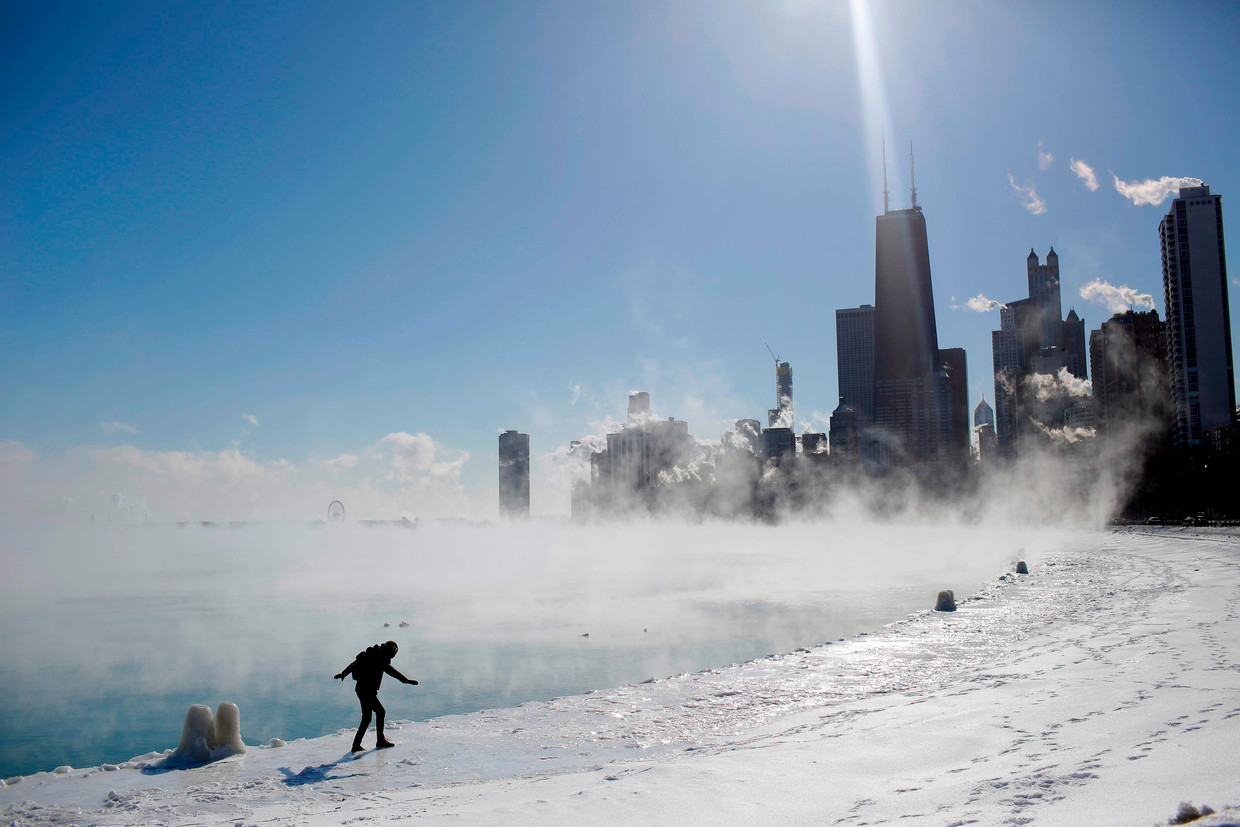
(346, 671)
(391, 670)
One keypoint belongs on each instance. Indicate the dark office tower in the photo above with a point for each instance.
(1074, 344)
(984, 424)
(1203, 390)
(845, 438)
(1129, 368)
(514, 475)
(779, 445)
(854, 355)
(912, 393)
(906, 341)
(1044, 293)
(1007, 349)
(953, 363)
(781, 415)
(639, 406)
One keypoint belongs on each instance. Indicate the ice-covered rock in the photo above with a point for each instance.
(946, 601)
(228, 728)
(205, 737)
(197, 735)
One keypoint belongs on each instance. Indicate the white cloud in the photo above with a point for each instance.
(1115, 299)
(343, 462)
(1085, 172)
(979, 304)
(418, 458)
(250, 418)
(110, 429)
(1029, 196)
(1150, 191)
(1045, 159)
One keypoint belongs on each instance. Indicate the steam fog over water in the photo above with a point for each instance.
(109, 634)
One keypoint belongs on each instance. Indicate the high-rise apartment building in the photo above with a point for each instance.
(514, 475)
(854, 349)
(1203, 390)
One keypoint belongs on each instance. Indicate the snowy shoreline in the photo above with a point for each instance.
(1103, 687)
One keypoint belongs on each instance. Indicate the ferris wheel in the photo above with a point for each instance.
(335, 512)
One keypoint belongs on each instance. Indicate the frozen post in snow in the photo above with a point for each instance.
(946, 601)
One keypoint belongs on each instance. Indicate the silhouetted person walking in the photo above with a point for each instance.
(368, 668)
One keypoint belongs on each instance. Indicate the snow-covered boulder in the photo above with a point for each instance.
(205, 737)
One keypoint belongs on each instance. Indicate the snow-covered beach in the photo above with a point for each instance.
(1101, 688)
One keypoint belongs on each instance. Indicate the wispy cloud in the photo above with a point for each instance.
(1150, 191)
(979, 304)
(1115, 299)
(250, 418)
(1045, 159)
(1085, 172)
(111, 429)
(1029, 196)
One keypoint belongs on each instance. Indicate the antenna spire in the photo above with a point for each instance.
(912, 163)
(886, 206)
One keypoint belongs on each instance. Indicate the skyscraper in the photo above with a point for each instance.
(915, 394)
(854, 351)
(1203, 390)
(906, 340)
(984, 424)
(1044, 293)
(781, 415)
(514, 475)
(1129, 369)
(1074, 344)
(1033, 338)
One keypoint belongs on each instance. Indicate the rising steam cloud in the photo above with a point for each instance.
(1063, 383)
(1116, 299)
(979, 304)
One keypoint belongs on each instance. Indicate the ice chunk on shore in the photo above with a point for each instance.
(209, 738)
(228, 728)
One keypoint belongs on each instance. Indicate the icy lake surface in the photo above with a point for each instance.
(107, 635)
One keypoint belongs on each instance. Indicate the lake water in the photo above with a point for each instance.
(108, 635)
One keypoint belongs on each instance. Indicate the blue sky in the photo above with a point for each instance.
(300, 249)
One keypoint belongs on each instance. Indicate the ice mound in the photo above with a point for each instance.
(946, 601)
(209, 738)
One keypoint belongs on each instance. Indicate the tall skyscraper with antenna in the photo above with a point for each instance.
(919, 390)
(915, 393)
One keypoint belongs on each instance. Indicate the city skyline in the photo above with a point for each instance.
(303, 271)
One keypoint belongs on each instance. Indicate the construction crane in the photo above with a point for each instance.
(773, 356)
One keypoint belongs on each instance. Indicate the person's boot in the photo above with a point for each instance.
(357, 746)
(383, 743)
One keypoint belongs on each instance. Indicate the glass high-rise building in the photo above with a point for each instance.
(514, 475)
(1199, 361)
